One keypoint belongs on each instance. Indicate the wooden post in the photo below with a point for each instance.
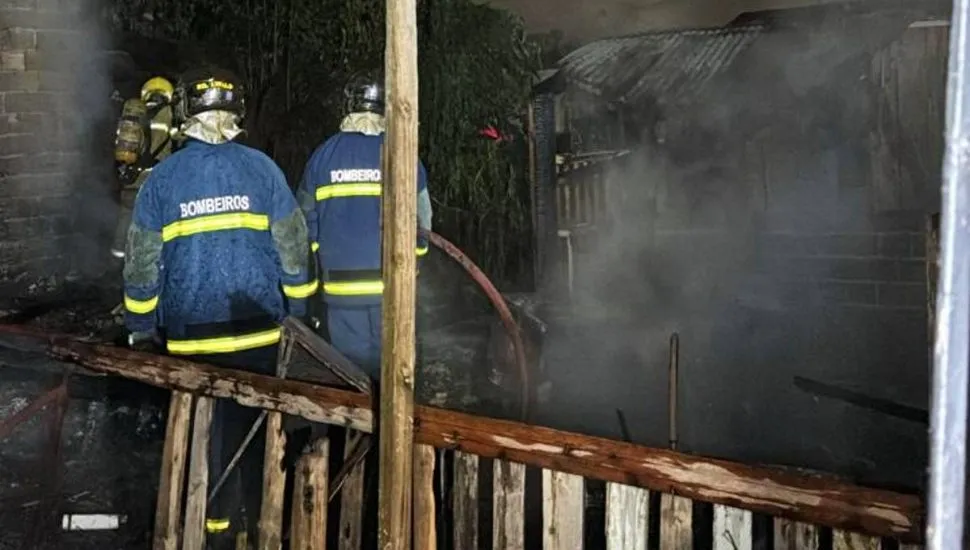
(310, 495)
(194, 531)
(274, 482)
(399, 237)
(169, 504)
(425, 536)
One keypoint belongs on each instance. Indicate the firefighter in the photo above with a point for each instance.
(144, 137)
(341, 196)
(216, 257)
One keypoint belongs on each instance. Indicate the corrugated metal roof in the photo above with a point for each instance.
(665, 67)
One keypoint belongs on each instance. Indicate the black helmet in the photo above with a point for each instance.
(209, 89)
(365, 93)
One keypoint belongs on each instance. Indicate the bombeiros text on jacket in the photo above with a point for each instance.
(355, 175)
(214, 205)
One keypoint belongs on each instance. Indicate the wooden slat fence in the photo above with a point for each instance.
(627, 525)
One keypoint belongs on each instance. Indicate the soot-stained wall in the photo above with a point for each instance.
(50, 92)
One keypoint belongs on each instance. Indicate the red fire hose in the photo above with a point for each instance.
(511, 326)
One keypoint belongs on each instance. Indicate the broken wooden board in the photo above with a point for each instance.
(508, 506)
(310, 495)
(732, 528)
(627, 517)
(676, 520)
(563, 507)
(845, 540)
(465, 500)
(815, 500)
(795, 535)
(274, 482)
(322, 351)
(352, 498)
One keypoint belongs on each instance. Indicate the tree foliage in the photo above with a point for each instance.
(476, 69)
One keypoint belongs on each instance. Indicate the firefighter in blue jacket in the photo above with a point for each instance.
(215, 258)
(341, 196)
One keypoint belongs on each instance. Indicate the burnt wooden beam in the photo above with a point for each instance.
(815, 500)
(326, 354)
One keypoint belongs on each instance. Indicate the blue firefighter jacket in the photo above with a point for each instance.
(216, 242)
(341, 197)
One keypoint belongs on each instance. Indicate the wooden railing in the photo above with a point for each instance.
(581, 190)
(805, 507)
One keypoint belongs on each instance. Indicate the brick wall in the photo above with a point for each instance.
(873, 269)
(882, 269)
(43, 47)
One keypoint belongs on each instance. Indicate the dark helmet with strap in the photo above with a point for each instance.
(209, 89)
(364, 93)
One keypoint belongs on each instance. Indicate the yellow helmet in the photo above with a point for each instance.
(157, 88)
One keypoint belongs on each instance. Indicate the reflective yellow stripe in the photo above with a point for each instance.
(325, 192)
(301, 291)
(226, 344)
(141, 307)
(314, 246)
(216, 525)
(353, 288)
(216, 222)
(422, 250)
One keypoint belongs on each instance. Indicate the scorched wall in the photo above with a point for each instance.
(48, 95)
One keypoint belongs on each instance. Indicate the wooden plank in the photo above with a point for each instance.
(310, 495)
(327, 355)
(425, 535)
(465, 501)
(193, 533)
(274, 482)
(795, 535)
(810, 499)
(676, 516)
(627, 517)
(398, 234)
(563, 501)
(732, 529)
(352, 500)
(508, 506)
(168, 508)
(846, 540)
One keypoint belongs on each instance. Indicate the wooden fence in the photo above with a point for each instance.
(479, 449)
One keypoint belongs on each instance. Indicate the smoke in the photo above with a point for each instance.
(744, 222)
(85, 135)
(96, 106)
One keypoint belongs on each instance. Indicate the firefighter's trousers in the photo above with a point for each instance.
(356, 332)
(236, 506)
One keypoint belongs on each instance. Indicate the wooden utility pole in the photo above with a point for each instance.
(399, 235)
